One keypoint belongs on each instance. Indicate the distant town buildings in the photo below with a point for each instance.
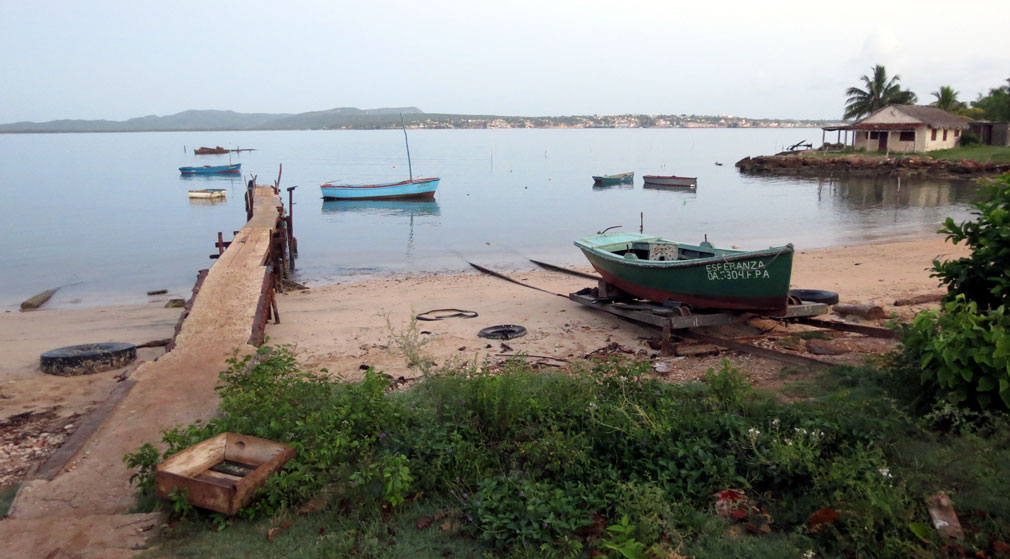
(609, 121)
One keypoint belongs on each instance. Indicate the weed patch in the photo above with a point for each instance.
(602, 460)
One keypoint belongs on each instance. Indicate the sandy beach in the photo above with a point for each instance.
(346, 328)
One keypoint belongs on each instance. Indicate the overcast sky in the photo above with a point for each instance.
(760, 59)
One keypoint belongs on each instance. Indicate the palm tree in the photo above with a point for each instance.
(946, 99)
(879, 93)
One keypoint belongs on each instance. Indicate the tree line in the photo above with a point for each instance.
(878, 91)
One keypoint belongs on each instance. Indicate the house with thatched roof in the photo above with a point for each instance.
(908, 128)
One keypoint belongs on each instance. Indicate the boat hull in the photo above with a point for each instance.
(211, 169)
(704, 276)
(657, 180)
(208, 193)
(614, 179)
(417, 189)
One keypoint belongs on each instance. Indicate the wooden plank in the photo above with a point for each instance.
(219, 479)
(55, 464)
(195, 459)
(872, 331)
(251, 450)
(245, 489)
(199, 493)
(759, 351)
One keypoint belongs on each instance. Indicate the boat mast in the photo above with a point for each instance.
(410, 169)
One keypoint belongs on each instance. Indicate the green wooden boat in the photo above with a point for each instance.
(661, 270)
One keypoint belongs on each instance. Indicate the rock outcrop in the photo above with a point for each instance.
(806, 165)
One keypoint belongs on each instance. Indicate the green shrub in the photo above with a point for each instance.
(969, 138)
(962, 352)
(983, 277)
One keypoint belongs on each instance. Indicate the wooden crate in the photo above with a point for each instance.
(222, 472)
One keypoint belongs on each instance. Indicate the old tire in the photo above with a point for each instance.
(502, 332)
(815, 296)
(87, 358)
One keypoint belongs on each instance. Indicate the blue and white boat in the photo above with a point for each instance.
(211, 169)
(410, 189)
(413, 189)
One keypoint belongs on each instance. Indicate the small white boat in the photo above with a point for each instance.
(208, 193)
(670, 180)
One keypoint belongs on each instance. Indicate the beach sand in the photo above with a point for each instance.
(346, 328)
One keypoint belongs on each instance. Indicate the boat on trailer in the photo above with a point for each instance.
(703, 276)
(614, 179)
(669, 180)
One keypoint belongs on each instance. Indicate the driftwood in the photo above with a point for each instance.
(37, 301)
(917, 299)
(695, 349)
(868, 311)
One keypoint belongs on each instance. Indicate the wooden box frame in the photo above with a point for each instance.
(190, 470)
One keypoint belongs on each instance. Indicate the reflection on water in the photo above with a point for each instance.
(381, 207)
(615, 186)
(208, 201)
(896, 192)
(670, 188)
(230, 178)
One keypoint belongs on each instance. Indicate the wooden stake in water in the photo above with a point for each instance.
(410, 169)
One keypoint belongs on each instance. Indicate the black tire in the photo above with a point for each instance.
(815, 296)
(87, 358)
(502, 332)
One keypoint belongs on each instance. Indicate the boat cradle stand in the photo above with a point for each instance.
(679, 317)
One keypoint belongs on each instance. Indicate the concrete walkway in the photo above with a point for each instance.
(83, 511)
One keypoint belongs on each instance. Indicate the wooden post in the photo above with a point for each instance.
(666, 348)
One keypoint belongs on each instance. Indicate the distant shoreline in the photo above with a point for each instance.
(390, 119)
(409, 128)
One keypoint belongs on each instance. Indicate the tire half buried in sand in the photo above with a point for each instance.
(87, 358)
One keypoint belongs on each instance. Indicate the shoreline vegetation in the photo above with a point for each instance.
(349, 118)
(962, 162)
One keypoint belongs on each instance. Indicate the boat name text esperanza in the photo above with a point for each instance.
(737, 270)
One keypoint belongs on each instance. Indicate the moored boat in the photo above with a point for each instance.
(614, 179)
(669, 180)
(211, 169)
(416, 189)
(410, 189)
(208, 193)
(210, 151)
(661, 270)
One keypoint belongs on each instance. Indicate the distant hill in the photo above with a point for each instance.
(344, 118)
(220, 120)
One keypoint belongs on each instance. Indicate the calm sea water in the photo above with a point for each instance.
(107, 217)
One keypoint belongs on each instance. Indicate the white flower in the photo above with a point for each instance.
(753, 432)
(885, 472)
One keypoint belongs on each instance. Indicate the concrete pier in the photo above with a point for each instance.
(83, 510)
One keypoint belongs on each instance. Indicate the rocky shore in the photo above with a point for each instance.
(811, 166)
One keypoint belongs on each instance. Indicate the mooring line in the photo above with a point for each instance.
(554, 268)
(515, 281)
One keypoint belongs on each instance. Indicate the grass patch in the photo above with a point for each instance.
(7, 498)
(602, 460)
(980, 154)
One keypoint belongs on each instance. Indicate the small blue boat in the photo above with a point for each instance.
(211, 169)
(414, 189)
(614, 179)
